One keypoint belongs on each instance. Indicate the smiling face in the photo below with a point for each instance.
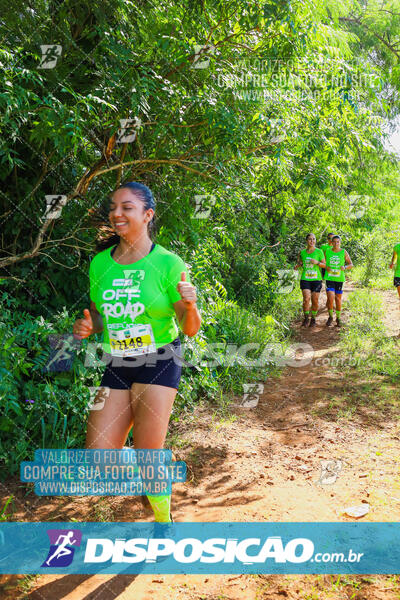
(336, 244)
(128, 215)
(311, 240)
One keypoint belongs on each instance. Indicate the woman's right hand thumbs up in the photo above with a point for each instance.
(83, 327)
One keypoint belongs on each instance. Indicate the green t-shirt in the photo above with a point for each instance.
(311, 272)
(136, 300)
(397, 250)
(324, 247)
(335, 260)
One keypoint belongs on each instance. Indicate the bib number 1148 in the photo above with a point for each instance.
(134, 340)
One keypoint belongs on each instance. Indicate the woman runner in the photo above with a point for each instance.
(137, 287)
(337, 262)
(310, 259)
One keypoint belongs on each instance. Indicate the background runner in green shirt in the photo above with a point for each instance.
(324, 248)
(396, 259)
(310, 260)
(337, 261)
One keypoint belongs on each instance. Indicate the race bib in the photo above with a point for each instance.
(311, 274)
(335, 272)
(133, 340)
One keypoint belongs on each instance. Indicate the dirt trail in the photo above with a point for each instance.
(264, 465)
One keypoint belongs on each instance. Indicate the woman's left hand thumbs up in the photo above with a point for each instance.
(187, 291)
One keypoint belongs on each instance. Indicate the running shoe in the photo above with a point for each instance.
(305, 322)
(338, 322)
(312, 322)
(329, 321)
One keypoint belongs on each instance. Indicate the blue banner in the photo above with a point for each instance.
(209, 548)
(100, 472)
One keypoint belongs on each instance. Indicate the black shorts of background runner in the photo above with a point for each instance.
(334, 286)
(396, 281)
(152, 368)
(322, 273)
(313, 286)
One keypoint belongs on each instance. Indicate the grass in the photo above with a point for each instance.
(364, 338)
(382, 281)
(25, 585)
(175, 442)
(379, 397)
(369, 372)
(102, 511)
(4, 516)
(221, 422)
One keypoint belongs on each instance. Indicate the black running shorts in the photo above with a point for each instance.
(334, 286)
(163, 367)
(313, 286)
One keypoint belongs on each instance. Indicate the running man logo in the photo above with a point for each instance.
(54, 206)
(61, 551)
(62, 353)
(133, 278)
(277, 132)
(286, 281)
(50, 55)
(251, 394)
(97, 400)
(201, 60)
(127, 132)
(204, 205)
(330, 470)
(357, 206)
(92, 357)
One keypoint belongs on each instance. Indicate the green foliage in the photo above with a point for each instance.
(54, 418)
(377, 249)
(272, 162)
(3, 514)
(364, 339)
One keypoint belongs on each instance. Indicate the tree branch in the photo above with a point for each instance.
(165, 161)
(80, 189)
(357, 21)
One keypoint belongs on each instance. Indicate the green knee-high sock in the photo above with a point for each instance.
(161, 506)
